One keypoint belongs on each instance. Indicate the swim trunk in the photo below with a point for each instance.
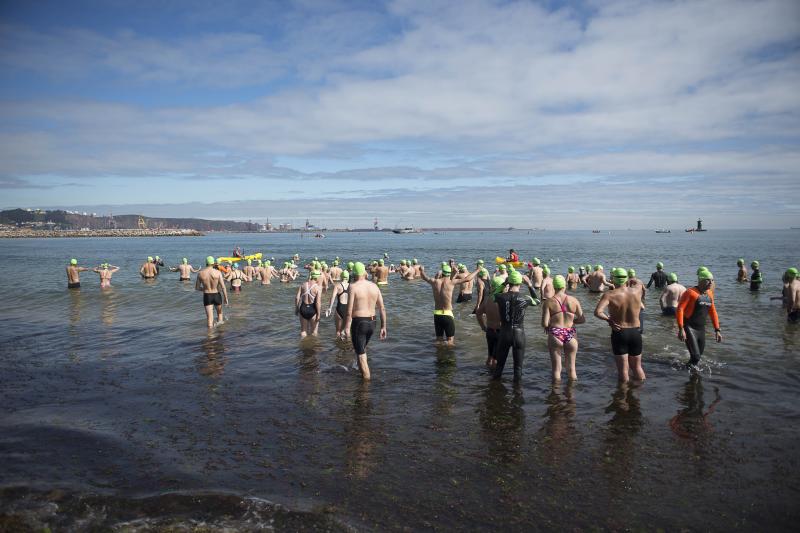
(668, 311)
(563, 334)
(464, 297)
(236, 289)
(74, 285)
(794, 316)
(212, 298)
(491, 340)
(444, 324)
(308, 311)
(628, 341)
(186, 279)
(361, 330)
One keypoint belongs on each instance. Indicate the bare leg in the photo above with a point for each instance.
(210, 315)
(554, 345)
(635, 363)
(451, 341)
(314, 326)
(303, 327)
(570, 351)
(339, 327)
(220, 317)
(362, 364)
(622, 367)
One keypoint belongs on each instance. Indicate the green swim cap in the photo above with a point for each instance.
(511, 268)
(545, 270)
(249, 262)
(701, 268)
(571, 269)
(598, 267)
(631, 273)
(314, 274)
(659, 265)
(705, 274)
(267, 263)
(462, 268)
(210, 260)
(446, 269)
(497, 286)
(754, 264)
(740, 262)
(479, 262)
(672, 277)
(184, 261)
(350, 265)
(73, 261)
(345, 275)
(150, 259)
(380, 262)
(359, 269)
(482, 273)
(501, 267)
(791, 273)
(619, 273)
(157, 258)
(588, 268)
(536, 261)
(514, 278)
(559, 282)
(414, 261)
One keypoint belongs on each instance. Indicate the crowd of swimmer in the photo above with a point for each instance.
(499, 308)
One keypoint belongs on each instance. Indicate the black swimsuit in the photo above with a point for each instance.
(341, 309)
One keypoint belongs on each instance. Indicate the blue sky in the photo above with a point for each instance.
(610, 114)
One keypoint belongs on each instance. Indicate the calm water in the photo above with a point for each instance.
(119, 411)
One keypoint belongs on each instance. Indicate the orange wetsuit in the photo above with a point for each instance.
(693, 308)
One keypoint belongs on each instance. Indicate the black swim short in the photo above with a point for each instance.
(668, 311)
(214, 298)
(628, 341)
(74, 285)
(444, 325)
(491, 341)
(464, 297)
(361, 330)
(186, 279)
(794, 316)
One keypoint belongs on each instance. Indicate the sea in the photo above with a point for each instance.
(120, 411)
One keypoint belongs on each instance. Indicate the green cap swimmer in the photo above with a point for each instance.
(345, 275)
(754, 264)
(659, 265)
(545, 270)
(210, 260)
(497, 286)
(598, 267)
(359, 269)
(314, 274)
(559, 282)
(185, 261)
(740, 262)
(502, 267)
(380, 262)
(73, 261)
(791, 273)
(514, 278)
(571, 269)
(672, 277)
(350, 266)
(482, 273)
(536, 261)
(149, 259)
(415, 261)
(479, 262)
(620, 275)
(705, 274)
(446, 269)
(631, 273)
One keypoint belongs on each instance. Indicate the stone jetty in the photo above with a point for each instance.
(26, 233)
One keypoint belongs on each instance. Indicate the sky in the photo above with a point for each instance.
(560, 115)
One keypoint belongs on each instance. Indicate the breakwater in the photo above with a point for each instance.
(52, 234)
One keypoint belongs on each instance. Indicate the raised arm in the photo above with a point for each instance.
(470, 277)
(424, 276)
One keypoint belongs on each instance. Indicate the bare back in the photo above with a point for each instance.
(672, 294)
(209, 280)
(561, 311)
(624, 305)
(596, 281)
(364, 296)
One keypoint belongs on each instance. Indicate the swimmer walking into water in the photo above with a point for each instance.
(185, 269)
(308, 302)
(488, 316)
(341, 292)
(74, 274)
(511, 306)
(443, 321)
(211, 282)
(671, 295)
(559, 316)
(105, 271)
(362, 299)
(624, 305)
(148, 269)
(695, 305)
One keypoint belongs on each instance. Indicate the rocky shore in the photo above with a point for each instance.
(50, 234)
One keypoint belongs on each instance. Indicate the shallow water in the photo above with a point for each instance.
(120, 411)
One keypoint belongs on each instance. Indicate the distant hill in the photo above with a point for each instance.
(70, 220)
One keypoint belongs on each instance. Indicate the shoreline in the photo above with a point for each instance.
(49, 234)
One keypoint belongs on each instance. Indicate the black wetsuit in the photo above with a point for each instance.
(755, 280)
(512, 332)
(659, 277)
(694, 326)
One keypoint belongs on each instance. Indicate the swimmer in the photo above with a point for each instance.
(148, 270)
(671, 295)
(659, 277)
(791, 295)
(266, 272)
(363, 297)
(335, 271)
(105, 271)
(307, 305)
(546, 291)
(288, 274)
(582, 273)
(482, 287)
(695, 305)
(381, 273)
(249, 270)
(341, 291)
(417, 268)
(741, 275)
(443, 321)
(596, 281)
(465, 291)
(573, 279)
(74, 274)
(236, 277)
(756, 278)
(185, 269)
(211, 282)
(623, 306)
(158, 262)
(488, 316)
(511, 306)
(559, 316)
(636, 284)
(501, 272)
(536, 275)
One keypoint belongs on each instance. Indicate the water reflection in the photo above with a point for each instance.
(108, 306)
(692, 424)
(212, 362)
(560, 437)
(445, 393)
(362, 436)
(620, 435)
(502, 420)
(308, 367)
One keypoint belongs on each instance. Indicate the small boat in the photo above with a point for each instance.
(663, 231)
(319, 236)
(595, 231)
(405, 230)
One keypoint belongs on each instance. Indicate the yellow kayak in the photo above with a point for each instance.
(502, 261)
(255, 257)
